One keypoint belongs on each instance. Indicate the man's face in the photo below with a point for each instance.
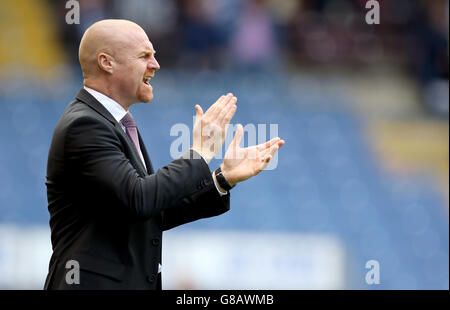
(135, 67)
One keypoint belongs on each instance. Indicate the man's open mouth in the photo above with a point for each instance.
(146, 80)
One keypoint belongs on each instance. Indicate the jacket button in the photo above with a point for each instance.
(151, 278)
(155, 242)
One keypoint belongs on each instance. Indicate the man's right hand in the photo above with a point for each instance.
(210, 127)
(243, 163)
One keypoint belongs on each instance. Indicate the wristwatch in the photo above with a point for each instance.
(221, 180)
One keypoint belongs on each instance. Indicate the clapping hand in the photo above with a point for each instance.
(242, 163)
(210, 127)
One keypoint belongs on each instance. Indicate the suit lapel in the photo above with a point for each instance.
(148, 162)
(136, 161)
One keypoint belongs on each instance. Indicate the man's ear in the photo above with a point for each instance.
(105, 62)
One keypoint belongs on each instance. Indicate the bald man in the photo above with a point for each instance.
(108, 207)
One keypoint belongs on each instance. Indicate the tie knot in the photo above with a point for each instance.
(128, 121)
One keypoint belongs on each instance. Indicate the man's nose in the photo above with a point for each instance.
(153, 64)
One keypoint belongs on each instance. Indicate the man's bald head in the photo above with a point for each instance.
(112, 37)
(118, 60)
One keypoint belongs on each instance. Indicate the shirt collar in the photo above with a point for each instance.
(116, 110)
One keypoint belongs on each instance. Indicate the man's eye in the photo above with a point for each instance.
(146, 56)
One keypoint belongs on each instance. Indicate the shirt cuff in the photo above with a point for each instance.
(220, 193)
(215, 184)
(212, 175)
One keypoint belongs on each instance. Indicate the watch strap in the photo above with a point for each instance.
(221, 180)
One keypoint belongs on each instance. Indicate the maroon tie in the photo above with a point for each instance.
(130, 128)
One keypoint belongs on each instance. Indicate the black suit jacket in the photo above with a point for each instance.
(107, 211)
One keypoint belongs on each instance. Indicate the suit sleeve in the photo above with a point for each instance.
(202, 204)
(94, 153)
